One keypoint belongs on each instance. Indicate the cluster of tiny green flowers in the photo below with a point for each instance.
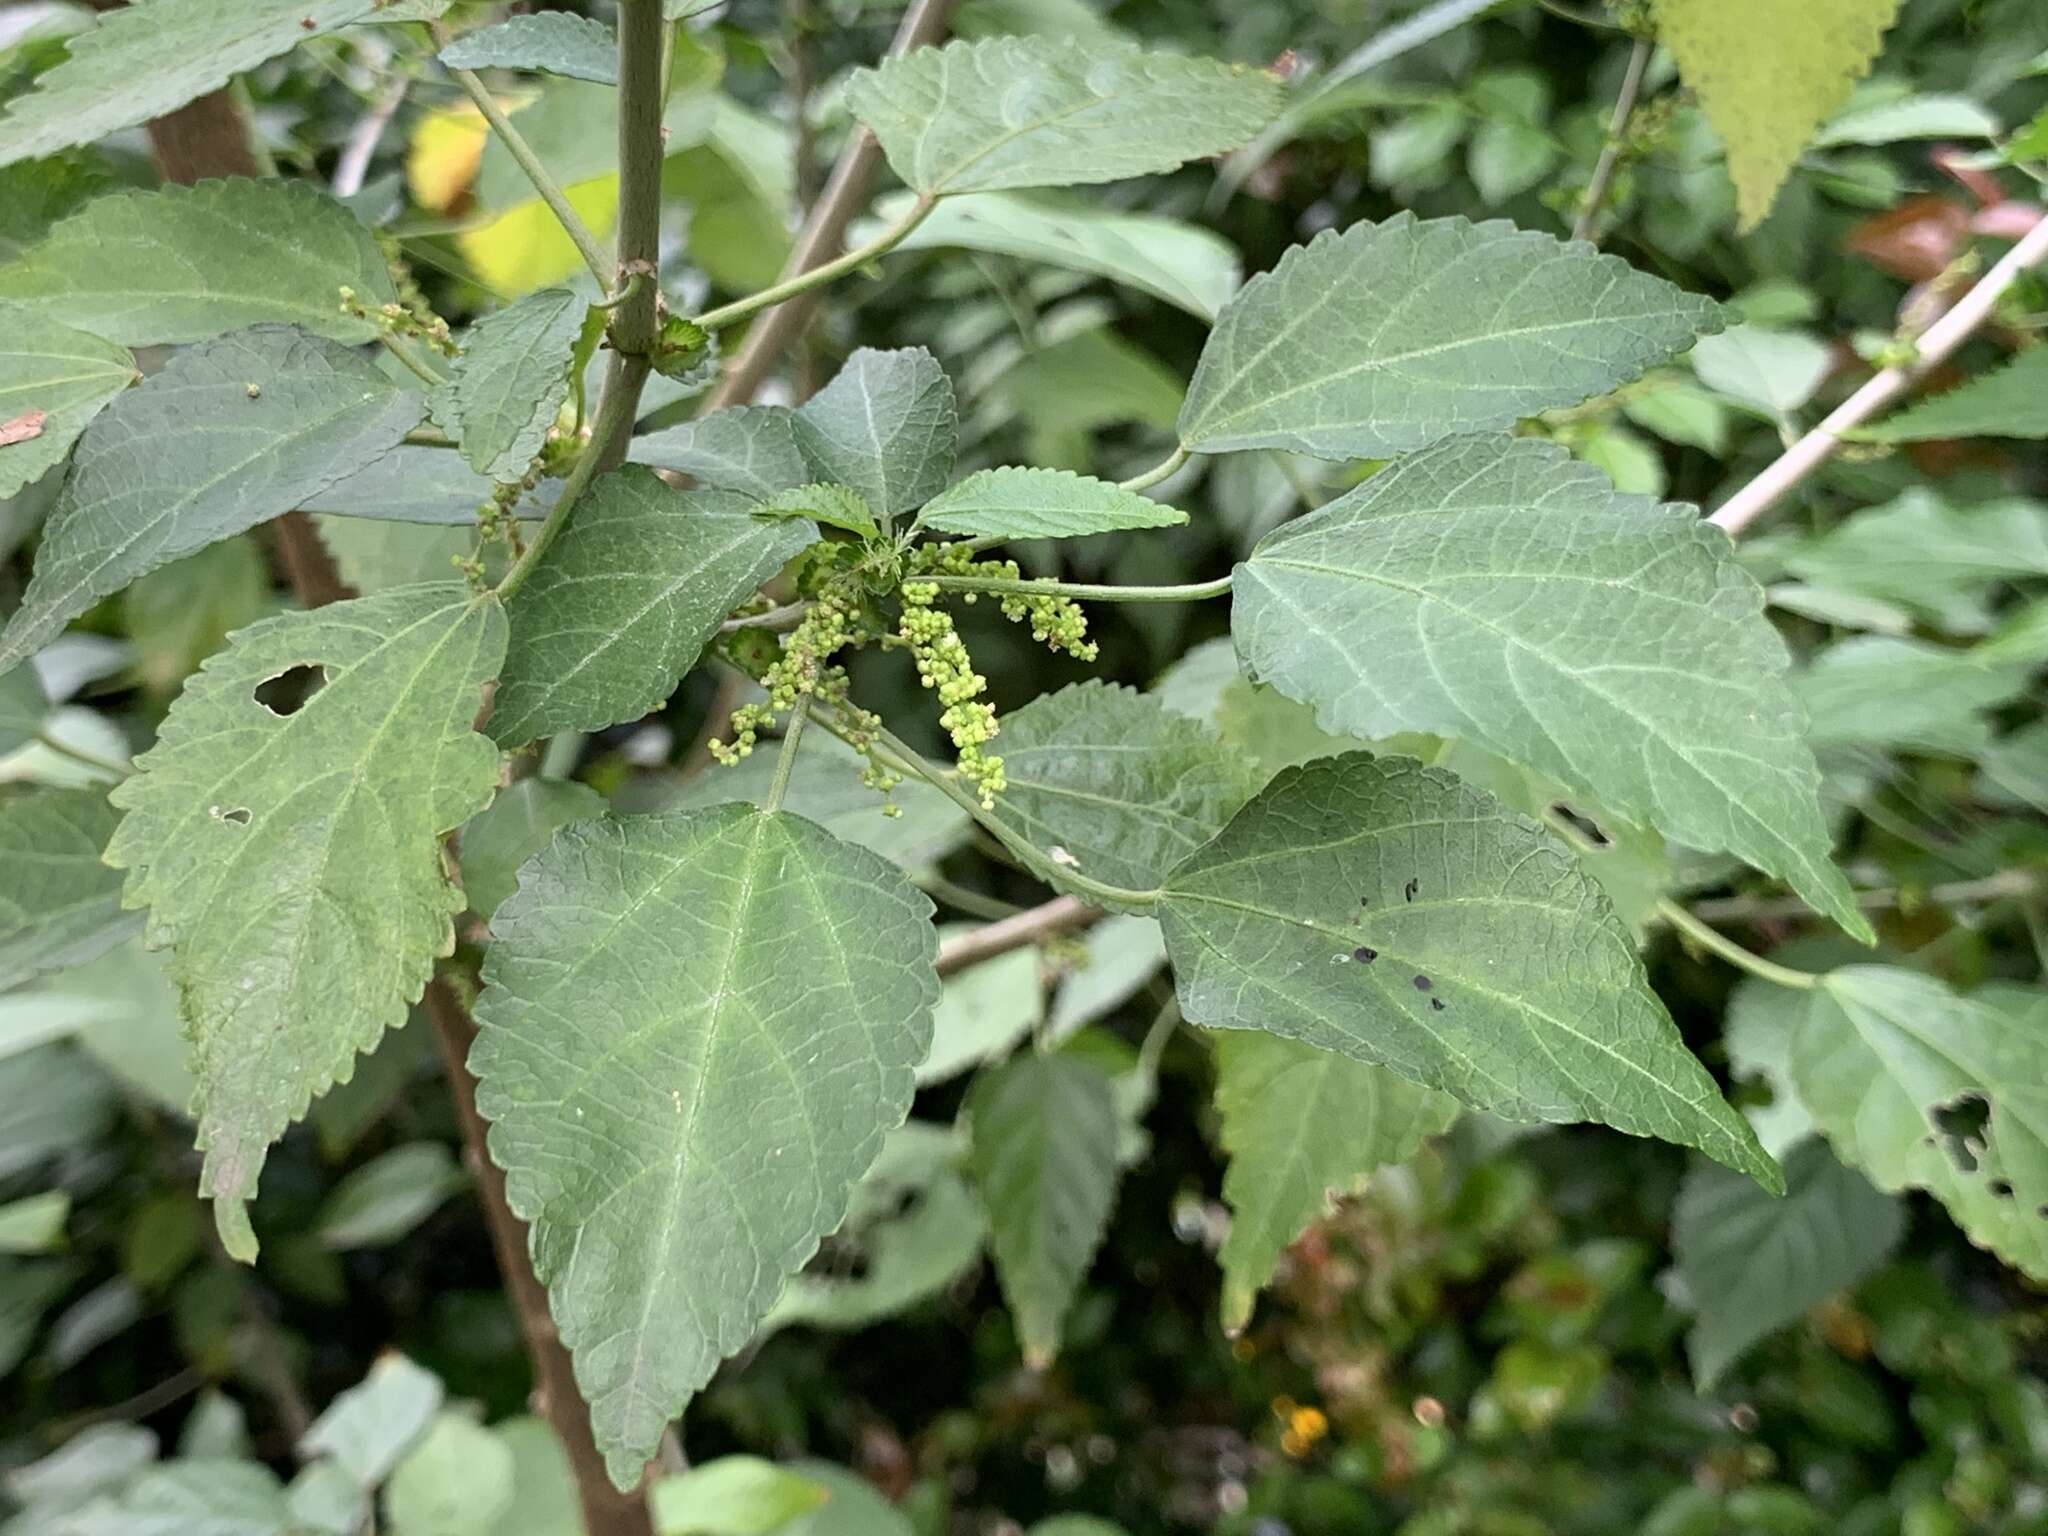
(1057, 623)
(804, 669)
(947, 669)
(398, 320)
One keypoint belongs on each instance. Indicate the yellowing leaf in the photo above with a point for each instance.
(441, 162)
(1769, 74)
(525, 248)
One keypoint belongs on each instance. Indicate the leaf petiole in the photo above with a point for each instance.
(1083, 591)
(740, 309)
(1720, 944)
(785, 762)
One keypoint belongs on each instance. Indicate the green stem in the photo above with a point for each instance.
(634, 322)
(785, 762)
(414, 362)
(587, 245)
(630, 288)
(83, 758)
(1158, 472)
(1082, 590)
(740, 309)
(1719, 944)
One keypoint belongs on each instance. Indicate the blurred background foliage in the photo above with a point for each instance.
(1490, 1339)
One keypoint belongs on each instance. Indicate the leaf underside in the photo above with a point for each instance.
(292, 863)
(60, 378)
(60, 905)
(1388, 911)
(696, 1029)
(1014, 503)
(886, 427)
(510, 382)
(1489, 588)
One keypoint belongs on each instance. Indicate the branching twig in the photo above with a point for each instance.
(1934, 348)
(1617, 130)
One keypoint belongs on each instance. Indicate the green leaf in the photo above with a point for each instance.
(1769, 75)
(186, 263)
(387, 1197)
(554, 42)
(293, 864)
(190, 1498)
(181, 613)
(1923, 1089)
(544, 1496)
(416, 484)
(854, 1509)
(1043, 1157)
(1679, 411)
(512, 829)
(1041, 504)
(375, 556)
(1919, 549)
(1489, 588)
(1391, 336)
(2015, 768)
(825, 787)
(886, 426)
(2009, 401)
(1301, 1126)
(732, 1496)
(148, 60)
(746, 448)
(695, 1031)
(368, 1428)
(1754, 1262)
(1385, 910)
(60, 906)
(1187, 266)
(458, 1481)
(34, 1223)
(511, 380)
(982, 1014)
(38, 193)
(1014, 112)
(23, 709)
(53, 380)
(229, 434)
(1770, 371)
(1878, 690)
(623, 602)
(1120, 783)
(833, 505)
(1118, 956)
(1879, 114)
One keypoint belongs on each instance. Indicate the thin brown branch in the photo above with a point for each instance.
(606, 1511)
(1617, 132)
(824, 233)
(1933, 349)
(1028, 927)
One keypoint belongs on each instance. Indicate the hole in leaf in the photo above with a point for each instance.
(1408, 891)
(2002, 1188)
(1585, 826)
(287, 692)
(238, 815)
(1437, 1004)
(1364, 955)
(1961, 1124)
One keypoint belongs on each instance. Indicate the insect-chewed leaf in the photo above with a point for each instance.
(1015, 503)
(1012, 112)
(1923, 1089)
(228, 435)
(1302, 1125)
(553, 42)
(148, 60)
(510, 381)
(1388, 337)
(886, 426)
(1768, 75)
(1491, 589)
(1043, 1158)
(1754, 1263)
(57, 378)
(1385, 910)
(622, 603)
(1123, 785)
(186, 263)
(60, 905)
(746, 448)
(292, 862)
(696, 1029)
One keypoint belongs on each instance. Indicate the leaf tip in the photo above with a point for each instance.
(231, 1220)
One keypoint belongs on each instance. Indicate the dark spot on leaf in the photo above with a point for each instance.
(1423, 983)
(1437, 1003)
(2002, 1188)
(1365, 956)
(287, 692)
(1585, 826)
(1408, 892)
(238, 815)
(1961, 1124)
